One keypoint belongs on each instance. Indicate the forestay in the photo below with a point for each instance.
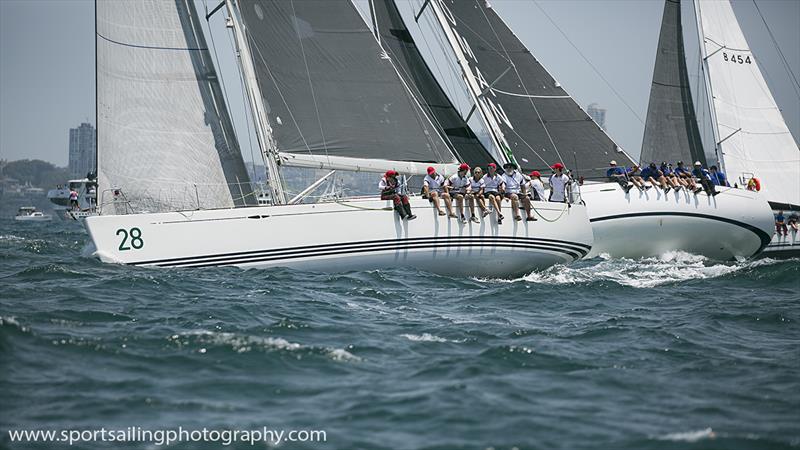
(164, 135)
(671, 131)
(329, 88)
(754, 137)
(541, 122)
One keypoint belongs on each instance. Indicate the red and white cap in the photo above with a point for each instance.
(463, 167)
(431, 170)
(557, 165)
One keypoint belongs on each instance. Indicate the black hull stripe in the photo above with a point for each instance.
(392, 248)
(765, 238)
(442, 241)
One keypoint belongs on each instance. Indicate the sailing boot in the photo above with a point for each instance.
(407, 208)
(400, 211)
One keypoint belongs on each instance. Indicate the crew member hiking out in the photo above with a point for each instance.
(475, 193)
(492, 185)
(704, 176)
(618, 174)
(456, 188)
(432, 189)
(390, 190)
(514, 189)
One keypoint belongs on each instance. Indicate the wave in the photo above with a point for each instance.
(671, 267)
(245, 343)
(688, 436)
(427, 337)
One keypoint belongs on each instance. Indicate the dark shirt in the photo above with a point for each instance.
(701, 173)
(666, 171)
(779, 218)
(682, 171)
(719, 178)
(613, 171)
(650, 172)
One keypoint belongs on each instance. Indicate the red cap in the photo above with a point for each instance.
(535, 173)
(391, 173)
(492, 165)
(431, 170)
(463, 166)
(557, 166)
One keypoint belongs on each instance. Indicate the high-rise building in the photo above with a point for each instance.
(82, 154)
(598, 114)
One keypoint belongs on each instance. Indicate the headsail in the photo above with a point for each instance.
(671, 132)
(541, 122)
(398, 42)
(754, 138)
(164, 134)
(329, 88)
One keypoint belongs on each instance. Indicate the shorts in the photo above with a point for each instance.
(509, 194)
(489, 194)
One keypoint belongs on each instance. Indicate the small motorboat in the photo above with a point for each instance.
(30, 214)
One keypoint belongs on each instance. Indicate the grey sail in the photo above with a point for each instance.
(328, 87)
(400, 45)
(164, 135)
(541, 122)
(671, 132)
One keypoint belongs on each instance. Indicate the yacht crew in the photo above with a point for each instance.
(492, 185)
(390, 188)
(655, 177)
(705, 178)
(456, 187)
(537, 187)
(718, 177)
(618, 174)
(634, 175)
(432, 189)
(558, 184)
(73, 199)
(668, 173)
(475, 192)
(685, 175)
(515, 190)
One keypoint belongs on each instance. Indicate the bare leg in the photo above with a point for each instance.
(526, 203)
(496, 202)
(448, 203)
(515, 206)
(460, 205)
(435, 197)
(471, 204)
(482, 205)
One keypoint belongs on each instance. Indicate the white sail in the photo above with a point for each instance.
(164, 136)
(753, 137)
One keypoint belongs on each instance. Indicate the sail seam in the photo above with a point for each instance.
(148, 47)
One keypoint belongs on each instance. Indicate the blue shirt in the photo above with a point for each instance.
(615, 171)
(650, 172)
(701, 173)
(779, 218)
(719, 178)
(666, 171)
(682, 170)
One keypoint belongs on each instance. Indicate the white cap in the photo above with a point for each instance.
(613, 163)
(697, 163)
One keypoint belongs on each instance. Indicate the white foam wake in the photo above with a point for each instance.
(244, 344)
(427, 337)
(672, 267)
(688, 436)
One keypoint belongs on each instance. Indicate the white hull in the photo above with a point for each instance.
(735, 224)
(357, 234)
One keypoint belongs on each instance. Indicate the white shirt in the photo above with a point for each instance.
(538, 186)
(475, 186)
(558, 187)
(458, 184)
(492, 183)
(385, 184)
(513, 182)
(434, 184)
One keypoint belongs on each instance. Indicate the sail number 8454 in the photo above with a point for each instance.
(737, 58)
(130, 239)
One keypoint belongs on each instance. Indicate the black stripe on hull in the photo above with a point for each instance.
(762, 235)
(572, 249)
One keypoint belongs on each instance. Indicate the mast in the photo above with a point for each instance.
(446, 22)
(707, 81)
(269, 152)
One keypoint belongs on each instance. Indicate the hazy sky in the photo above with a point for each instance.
(47, 62)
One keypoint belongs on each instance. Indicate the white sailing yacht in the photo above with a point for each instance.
(536, 123)
(173, 190)
(751, 135)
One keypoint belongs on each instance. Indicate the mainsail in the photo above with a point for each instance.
(541, 122)
(329, 88)
(671, 132)
(753, 139)
(398, 42)
(164, 135)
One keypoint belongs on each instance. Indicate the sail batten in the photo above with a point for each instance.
(164, 135)
(754, 139)
(329, 88)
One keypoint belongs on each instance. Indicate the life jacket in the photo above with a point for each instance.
(754, 184)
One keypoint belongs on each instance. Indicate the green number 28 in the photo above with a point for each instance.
(135, 236)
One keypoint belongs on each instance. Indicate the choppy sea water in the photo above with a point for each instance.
(664, 353)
